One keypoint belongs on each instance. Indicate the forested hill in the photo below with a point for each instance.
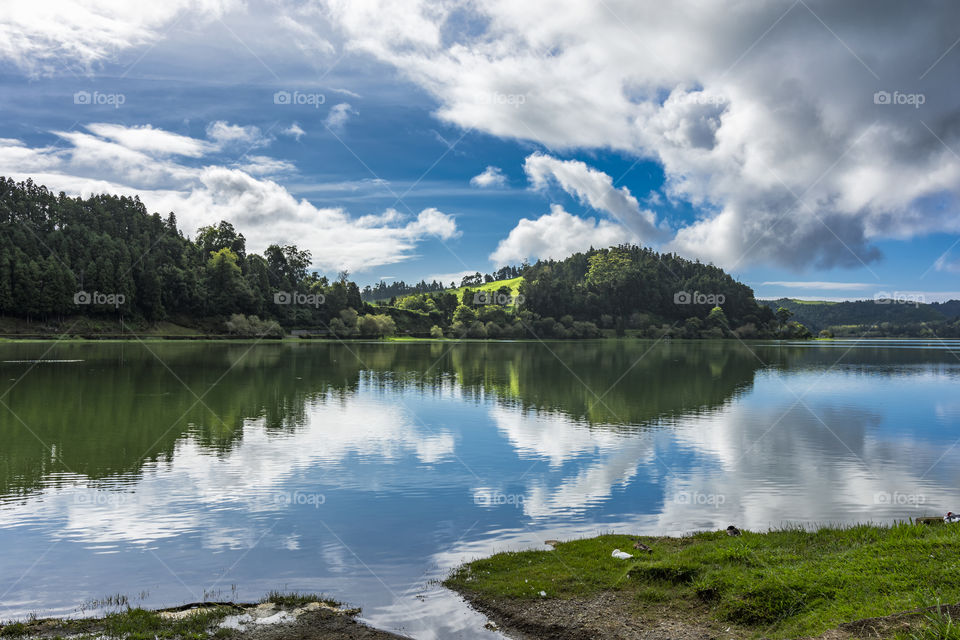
(635, 287)
(106, 255)
(886, 316)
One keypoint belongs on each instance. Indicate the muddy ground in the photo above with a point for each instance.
(266, 621)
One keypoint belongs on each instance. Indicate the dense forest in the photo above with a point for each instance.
(885, 317)
(384, 291)
(107, 257)
(625, 289)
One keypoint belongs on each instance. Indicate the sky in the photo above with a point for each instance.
(808, 147)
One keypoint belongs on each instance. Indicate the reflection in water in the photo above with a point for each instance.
(182, 470)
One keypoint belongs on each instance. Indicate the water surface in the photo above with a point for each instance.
(175, 472)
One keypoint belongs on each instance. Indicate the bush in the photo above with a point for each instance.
(376, 325)
(253, 327)
(436, 332)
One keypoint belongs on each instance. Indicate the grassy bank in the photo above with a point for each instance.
(279, 616)
(785, 583)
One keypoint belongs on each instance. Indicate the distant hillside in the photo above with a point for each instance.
(819, 315)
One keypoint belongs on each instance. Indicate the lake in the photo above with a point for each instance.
(174, 472)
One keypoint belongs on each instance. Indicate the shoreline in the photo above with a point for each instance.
(834, 583)
(277, 617)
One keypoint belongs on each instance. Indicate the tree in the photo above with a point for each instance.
(783, 315)
(227, 291)
(717, 318)
(465, 315)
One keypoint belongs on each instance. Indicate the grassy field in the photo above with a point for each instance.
(513, 283)
(780, 584)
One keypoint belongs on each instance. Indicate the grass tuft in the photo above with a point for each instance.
(783, 583)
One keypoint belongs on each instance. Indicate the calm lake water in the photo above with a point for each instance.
(171, 472)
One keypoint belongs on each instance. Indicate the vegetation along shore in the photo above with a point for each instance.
(835, 582)
(287, 616)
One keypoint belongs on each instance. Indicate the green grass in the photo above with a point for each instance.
(937, 626)
(779, 584)
(513, 283)
(297, 599)
(130, 624)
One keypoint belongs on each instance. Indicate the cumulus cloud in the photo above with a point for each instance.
(43, 36)
(595, 189)
(788, 125)
(490, 177)
(224, 134)
(138, 161)
(557, 235)
(294, 131)
(339, 114)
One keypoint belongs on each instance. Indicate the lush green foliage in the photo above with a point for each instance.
(53, 247)
(888, 317)
(779, 584)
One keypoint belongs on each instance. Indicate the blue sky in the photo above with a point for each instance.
(825, 193)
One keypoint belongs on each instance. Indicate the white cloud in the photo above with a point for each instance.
(295, 131)
(455, 277)
(225, 134)
(746, 106)
(338, 116)
(839, 286)
(265, 165)
(490, 177)
(594, 188)
(261, 208)
(146, 138)
(557, 235)
(44, 35)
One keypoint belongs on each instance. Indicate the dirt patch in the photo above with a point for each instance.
(609, 616)
(612, 616)
(213, 621)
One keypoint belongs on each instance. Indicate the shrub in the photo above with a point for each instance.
(436, 332)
